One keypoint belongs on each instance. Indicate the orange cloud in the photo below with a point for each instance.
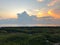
(38, 12)
(54, 13)
(53, 2)
(41, 14)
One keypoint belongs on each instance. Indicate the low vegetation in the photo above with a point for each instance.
(29, 35)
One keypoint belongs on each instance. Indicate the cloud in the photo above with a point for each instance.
(54, 12)
(39, 12)
(34, 20)
(52, 2)
(49, 20)
(40, 0)
(25, 19)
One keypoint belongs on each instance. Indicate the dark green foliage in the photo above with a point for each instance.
(29, 36)
(39, 40)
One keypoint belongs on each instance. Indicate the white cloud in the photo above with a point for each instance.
(40, 0)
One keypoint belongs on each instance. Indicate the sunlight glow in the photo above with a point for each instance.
(41, 14)
(50, 12)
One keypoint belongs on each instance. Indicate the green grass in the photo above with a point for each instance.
(29, 36)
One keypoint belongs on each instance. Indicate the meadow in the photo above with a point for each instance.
(29, 35)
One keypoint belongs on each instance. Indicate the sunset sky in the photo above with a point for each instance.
(40, 8)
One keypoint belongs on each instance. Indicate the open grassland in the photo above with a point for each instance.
(29, 35)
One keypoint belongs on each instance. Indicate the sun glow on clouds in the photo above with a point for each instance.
(54, 13)
(38, 12)
(35, 12)
(41, 14)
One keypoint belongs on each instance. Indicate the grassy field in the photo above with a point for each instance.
(29, 35)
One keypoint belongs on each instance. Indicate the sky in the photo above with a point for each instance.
(38, 8)
(9, 8)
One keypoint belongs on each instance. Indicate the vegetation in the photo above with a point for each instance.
(29, 35)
